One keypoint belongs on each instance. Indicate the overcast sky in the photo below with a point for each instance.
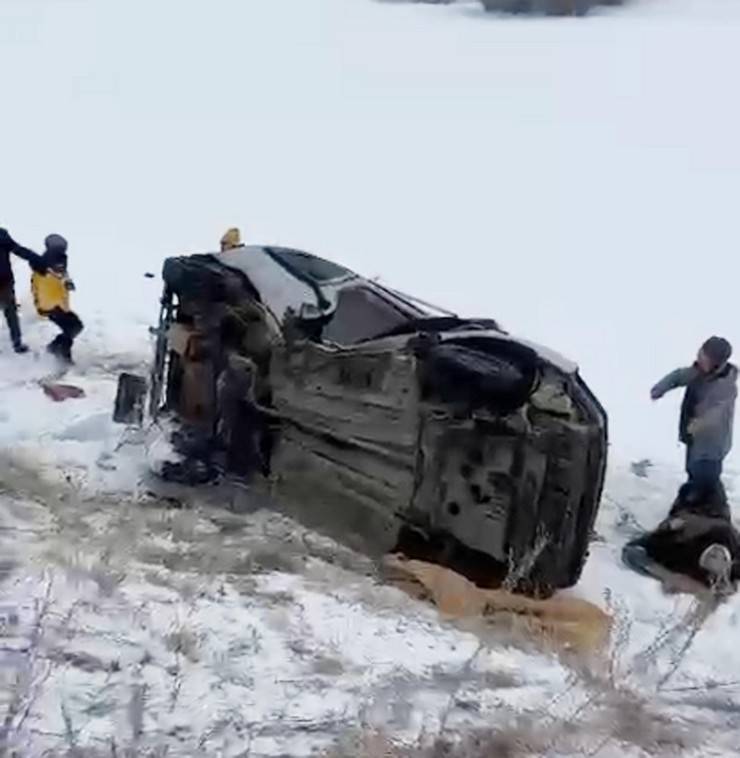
(577, 179)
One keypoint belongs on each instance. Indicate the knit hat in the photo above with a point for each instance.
(56, 243)
(718, 350)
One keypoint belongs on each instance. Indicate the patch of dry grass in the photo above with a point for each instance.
(521, 739)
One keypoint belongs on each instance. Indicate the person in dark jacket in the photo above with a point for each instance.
(8, 302)
(707, 411)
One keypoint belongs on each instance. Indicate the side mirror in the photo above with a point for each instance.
(308, 312)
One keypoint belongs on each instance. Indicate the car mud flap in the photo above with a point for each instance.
(130, 399)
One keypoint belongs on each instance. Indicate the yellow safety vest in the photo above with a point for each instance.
(49, 292)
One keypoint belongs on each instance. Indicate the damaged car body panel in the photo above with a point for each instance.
(349, 438)
(385, 421)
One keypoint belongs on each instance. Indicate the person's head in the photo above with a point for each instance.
(55, 243)
(56, 251)
(232, 238)
(713, 354)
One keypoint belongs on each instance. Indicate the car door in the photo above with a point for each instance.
(349, 438)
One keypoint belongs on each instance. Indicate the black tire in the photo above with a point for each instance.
(458, 373)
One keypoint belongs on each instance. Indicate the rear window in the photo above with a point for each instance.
(307, 265)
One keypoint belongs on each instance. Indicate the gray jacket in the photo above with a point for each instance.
(708, 409)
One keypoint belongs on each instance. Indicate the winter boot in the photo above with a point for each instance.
(14, 326)
(61, 349)
(716, 560)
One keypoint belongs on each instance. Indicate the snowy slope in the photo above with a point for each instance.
(574, 178)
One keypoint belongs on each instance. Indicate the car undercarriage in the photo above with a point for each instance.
(376, 419)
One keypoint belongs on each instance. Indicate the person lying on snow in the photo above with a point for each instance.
(707, 412)
(51, 297)
(8, 302)
(697, 539)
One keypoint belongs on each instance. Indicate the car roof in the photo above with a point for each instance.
(290, 278)
(286, 277)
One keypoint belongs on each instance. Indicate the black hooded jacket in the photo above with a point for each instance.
(7, 246)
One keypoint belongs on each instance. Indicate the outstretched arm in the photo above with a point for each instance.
(11, 246)
(678, 378)
(34, 260)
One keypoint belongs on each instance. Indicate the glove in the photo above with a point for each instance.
(70, 285)
(655, 393)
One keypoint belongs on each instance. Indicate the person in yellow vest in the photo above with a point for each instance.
(51, 297)
(231, 240)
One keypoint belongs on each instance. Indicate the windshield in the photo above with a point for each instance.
(362, 314)
(308, 266)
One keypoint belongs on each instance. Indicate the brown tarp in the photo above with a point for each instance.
(561, 623)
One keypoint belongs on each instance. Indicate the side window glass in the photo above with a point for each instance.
(361, 315)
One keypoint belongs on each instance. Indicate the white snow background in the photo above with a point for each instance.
(575, 178)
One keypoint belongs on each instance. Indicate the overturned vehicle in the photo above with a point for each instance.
(375, 417)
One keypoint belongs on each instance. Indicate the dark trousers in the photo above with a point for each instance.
(10, 311)
(704, 492)
(71, 327)
(704, 473)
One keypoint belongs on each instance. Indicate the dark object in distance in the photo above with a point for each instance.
(547, 7)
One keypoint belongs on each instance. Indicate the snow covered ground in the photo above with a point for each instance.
(575, 178)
